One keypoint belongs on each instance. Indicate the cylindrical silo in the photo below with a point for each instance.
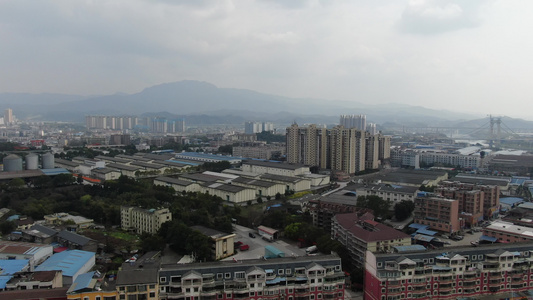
(48, 161)
(12, 162)
(32, 162)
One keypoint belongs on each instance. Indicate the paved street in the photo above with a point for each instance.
(257, 245)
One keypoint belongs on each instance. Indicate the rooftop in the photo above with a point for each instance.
(8, 247)
(379, 232)
(271, 164)
(67, 261)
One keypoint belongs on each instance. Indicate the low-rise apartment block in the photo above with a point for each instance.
(143, 220)
(362, 234)
(291, 278)
(440, 214)
(458, 273)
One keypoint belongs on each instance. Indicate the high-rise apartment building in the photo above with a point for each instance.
(338, 148)
(8, 116)
(353, 121)
(371, 151)
(257, 127)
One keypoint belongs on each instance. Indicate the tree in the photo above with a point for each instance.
(375, 203)
(228, 149)
(403, 210)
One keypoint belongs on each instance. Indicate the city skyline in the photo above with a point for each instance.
(470, 56)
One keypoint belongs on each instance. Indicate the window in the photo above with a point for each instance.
(162, 279)
(239, 275)
(220, 275)
(227, 275)
(280, 271)
(288, 271)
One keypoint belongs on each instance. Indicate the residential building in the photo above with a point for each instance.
(470, 203)
(323, 209)
(260, 152)
(440, 214)
(371, 151)
(317, 277)
(8, 116)
(222, 243)
(495, 271)
(393, 193)
(491, 193)
(143, 220)
(360, 234)
(353, 121)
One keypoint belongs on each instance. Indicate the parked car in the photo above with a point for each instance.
(251, 235)
(445, 236)
(244, 247)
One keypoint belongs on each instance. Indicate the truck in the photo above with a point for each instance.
(311, 249)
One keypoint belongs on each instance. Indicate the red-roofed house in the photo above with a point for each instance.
(360, 234)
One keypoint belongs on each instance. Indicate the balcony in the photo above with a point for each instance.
(447, 279)
(395, 283)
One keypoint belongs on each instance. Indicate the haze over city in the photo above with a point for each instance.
(470, 56)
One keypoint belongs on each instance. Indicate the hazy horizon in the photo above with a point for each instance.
(460, 56)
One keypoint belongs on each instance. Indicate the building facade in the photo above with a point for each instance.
(317, 277)
(440, 214)
(143, 220)
(361, 234)
(463, 273)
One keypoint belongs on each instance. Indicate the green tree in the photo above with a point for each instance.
(403, 209)
(227, 149)
(377, 204)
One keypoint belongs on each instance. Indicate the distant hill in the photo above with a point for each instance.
(200, 101)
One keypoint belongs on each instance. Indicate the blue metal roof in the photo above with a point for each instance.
(208, 156)
(56, 171)
(271, 251)
(13, 218)
(426, 232)
(83, 281)
(418, 226)
(511, 200)
(70, 262)
(409, 248)
(423, 238)
(182, 162)
(488, 238)
(10, 267)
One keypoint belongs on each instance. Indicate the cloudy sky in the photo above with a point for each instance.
(470, 55)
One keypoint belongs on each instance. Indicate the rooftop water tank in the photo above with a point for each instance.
(12, 163)
(48, 161)
(32, 162)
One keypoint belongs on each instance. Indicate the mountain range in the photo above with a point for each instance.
(204, 103)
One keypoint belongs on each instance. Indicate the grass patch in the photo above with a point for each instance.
(123, 236)
(299, 195)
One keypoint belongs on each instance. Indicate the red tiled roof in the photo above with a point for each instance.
(381, 232)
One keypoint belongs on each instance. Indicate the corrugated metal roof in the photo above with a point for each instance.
(70, 262)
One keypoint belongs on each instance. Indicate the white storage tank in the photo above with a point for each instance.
(32, 162)
(12, 163)
(48, 161)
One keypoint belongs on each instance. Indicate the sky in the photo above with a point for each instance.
(472, 56)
